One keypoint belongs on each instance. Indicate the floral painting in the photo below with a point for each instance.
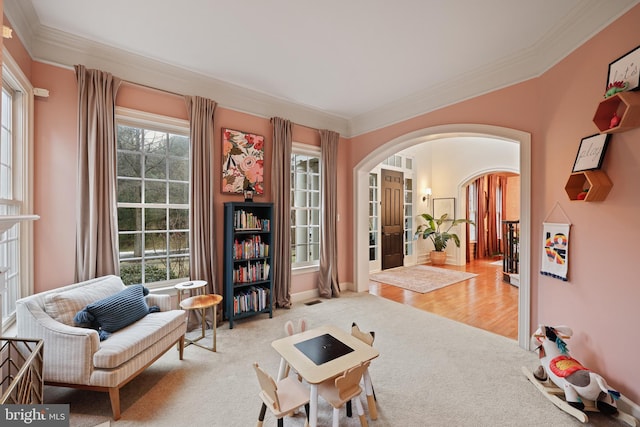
(242, 161)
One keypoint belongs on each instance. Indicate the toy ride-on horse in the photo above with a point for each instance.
(583, 390)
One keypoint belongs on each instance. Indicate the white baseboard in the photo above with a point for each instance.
(304, 295)
(313, 293)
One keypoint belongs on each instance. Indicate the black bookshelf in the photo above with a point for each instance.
(247, 260)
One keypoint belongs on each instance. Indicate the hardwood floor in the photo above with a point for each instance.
(485, 301)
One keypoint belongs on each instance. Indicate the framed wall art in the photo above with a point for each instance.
(444, 206)
(591, 152)
(626, 69)
(242, 162)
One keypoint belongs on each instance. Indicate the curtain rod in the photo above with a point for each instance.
(152, 88)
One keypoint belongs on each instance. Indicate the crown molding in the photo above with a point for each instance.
(581, 25)
(62, 49)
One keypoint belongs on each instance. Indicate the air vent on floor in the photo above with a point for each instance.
(313, 302)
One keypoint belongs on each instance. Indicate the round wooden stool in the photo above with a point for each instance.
(202, 302)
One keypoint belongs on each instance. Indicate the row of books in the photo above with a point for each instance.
(253, 272)
(253, 299)
(250, 248)
(243, 220)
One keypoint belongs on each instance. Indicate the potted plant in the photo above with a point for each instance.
(437, 229)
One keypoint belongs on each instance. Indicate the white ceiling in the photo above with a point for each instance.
(351, 65)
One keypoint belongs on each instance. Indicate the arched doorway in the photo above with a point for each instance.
(361, 175)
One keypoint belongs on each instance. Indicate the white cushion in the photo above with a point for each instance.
(63, 306)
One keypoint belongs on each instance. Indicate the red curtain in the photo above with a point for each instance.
(481, 229)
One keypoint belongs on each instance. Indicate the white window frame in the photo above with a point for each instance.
(22, 167)
(309, 150)
(141, 119)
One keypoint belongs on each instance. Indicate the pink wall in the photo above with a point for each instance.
(55, 159)
(600, 300)
(55, 166)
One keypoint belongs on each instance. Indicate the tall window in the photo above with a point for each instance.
(15, 243)
(153, 202)
(305, 206)
(373, 216)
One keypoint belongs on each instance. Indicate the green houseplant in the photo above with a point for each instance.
(437, 230)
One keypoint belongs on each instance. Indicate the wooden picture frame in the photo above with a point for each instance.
(591, 152)
(626, 69)
(242, 162)
(444, 205)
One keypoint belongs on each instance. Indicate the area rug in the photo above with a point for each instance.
(420, 278)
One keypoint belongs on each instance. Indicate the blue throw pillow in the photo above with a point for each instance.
(116, 311)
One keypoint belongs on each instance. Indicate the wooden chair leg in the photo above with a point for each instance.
(336, 417)
(181, 347)
(281, 422)
(361, 415)
(263, 410)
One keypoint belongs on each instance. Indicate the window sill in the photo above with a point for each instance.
(305, 269)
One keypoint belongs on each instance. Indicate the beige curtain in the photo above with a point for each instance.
(96, 209)
(202, 243)
(328, 284)
(281, 192)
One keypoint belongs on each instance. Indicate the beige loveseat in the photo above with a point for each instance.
(75, 356)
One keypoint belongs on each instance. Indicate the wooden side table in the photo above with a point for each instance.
(202, 303)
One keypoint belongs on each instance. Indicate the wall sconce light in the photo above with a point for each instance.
(427, 195)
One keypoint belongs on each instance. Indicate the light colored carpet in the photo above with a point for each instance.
(420, 278)
(431, 372)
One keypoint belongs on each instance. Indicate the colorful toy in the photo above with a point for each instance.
(615, 87)
(583, 389)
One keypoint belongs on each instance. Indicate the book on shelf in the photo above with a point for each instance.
(252, 247)
(252, 272)
(253, 299)
(243, 220)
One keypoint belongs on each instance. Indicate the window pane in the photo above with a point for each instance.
(315, 199)
(179, 243)
(131, 272)
(301, 218)
(155, 244)
(155, 142)
(129, 164)
(129, 219)
(178, 219)
(305, 209)
(301, 253)
(129, 138)
(129, 191)
(130, 245)
(155, 192)
(179, 267)
(179, 169)
(178, 146)
(179, 193)
(155, 219)
(155, 167)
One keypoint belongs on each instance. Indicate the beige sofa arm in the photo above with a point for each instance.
(161, 300)
(68, 350)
